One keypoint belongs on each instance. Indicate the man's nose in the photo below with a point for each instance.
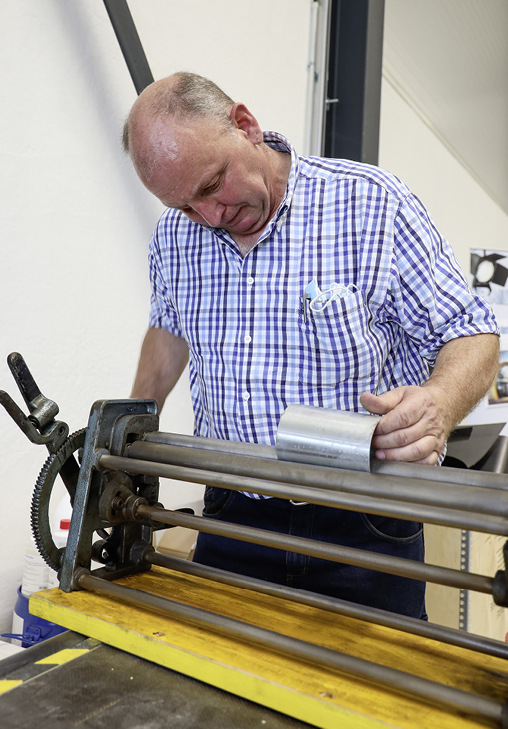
(211, 211)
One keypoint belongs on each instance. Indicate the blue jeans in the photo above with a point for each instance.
(381, 534)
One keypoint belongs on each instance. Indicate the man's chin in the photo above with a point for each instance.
(248, 225)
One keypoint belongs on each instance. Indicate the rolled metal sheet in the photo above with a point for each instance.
(326, 437)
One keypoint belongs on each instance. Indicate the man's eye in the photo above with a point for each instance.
(211, 188)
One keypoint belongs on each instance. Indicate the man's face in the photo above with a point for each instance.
(219, 177)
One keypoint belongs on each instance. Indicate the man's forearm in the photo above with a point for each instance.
(162, 360)
(465, 369)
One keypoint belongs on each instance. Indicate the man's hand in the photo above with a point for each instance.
(414, 425)
(416, 421)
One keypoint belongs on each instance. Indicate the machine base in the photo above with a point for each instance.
(319, 696)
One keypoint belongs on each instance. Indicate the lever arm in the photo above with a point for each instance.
(40, 425)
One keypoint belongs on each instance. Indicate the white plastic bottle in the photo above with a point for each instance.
(35, 578)
(60, 539)
(35, 570)
(37, 575)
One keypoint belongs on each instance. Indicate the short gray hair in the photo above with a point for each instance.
(187, 95)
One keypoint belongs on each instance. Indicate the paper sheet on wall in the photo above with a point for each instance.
(489, 279)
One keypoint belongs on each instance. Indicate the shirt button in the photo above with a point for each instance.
(247, 339)
(250, 280)
(246, 395)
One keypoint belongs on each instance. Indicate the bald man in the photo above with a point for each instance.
(287, 279)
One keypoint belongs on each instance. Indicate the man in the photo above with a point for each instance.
(300, 280)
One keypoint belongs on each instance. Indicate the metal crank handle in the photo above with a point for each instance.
(40, 425)
(42, 409)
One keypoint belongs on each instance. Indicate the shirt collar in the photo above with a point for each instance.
(281, 144)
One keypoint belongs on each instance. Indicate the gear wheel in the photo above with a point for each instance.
(41, 529)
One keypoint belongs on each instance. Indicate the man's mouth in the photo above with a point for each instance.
(243, 222)
(235, 219)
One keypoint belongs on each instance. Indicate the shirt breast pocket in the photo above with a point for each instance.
(336, 343)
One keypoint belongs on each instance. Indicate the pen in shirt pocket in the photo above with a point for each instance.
(303, 308)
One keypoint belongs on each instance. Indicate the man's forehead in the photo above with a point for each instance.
(166, 136)
(185, 129)
(175, 141)
(165, 145)
(156, 142)
(183, 166)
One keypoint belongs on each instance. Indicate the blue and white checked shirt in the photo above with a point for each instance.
(252, 353)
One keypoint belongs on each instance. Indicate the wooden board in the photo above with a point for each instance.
(316, 695)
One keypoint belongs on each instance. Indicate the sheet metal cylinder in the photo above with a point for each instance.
(326, 437)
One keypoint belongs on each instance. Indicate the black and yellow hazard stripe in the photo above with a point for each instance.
(32, 662)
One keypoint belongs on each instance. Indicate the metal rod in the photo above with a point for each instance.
(443, 474)
(380, 675)
(337, 499)
(324, 550)
(130, 44)
(395, 621)
(463, 498)
(238, 448)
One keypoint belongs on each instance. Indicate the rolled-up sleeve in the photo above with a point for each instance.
(431, 296)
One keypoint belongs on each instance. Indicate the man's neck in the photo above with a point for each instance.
(245, 243)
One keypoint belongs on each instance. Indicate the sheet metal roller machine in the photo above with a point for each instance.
(111, 470)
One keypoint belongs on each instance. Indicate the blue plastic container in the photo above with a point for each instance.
(35, 629)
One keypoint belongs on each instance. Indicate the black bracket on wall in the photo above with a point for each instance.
(130, 44)
(354, 80)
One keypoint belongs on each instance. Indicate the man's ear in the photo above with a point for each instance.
(247, 122)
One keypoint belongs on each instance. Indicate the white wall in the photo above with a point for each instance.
(74, 220)
(463, 211)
